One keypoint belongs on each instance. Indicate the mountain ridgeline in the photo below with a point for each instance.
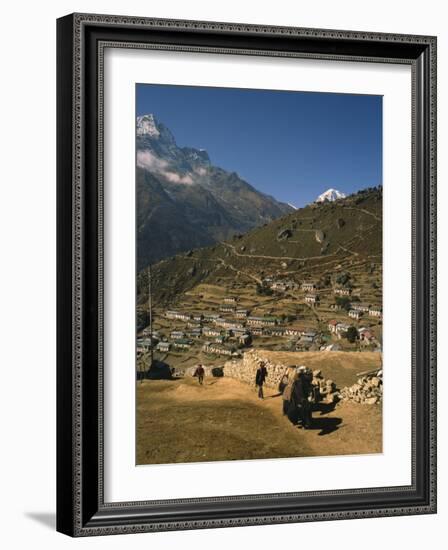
(308, 243)
(185, 202)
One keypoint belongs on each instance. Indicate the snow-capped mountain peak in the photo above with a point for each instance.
(330, 195)
(147, 126)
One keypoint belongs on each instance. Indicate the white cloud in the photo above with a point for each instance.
(146, 159)
(151, 162)
(178, 178)
(200, 170)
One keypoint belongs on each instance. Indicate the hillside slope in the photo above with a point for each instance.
(302, 245)
(184, 201)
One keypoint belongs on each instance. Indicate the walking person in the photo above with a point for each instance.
(286, 396)
(299, 398)
(200, 372)
(260, 377)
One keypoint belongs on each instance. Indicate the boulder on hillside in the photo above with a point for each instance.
(319, 235)
(283, 234)
(192, 271)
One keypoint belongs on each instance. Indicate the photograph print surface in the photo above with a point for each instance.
(259, 274)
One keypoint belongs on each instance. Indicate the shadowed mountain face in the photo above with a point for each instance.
(185, 202)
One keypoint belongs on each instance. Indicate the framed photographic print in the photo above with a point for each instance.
(246, 274)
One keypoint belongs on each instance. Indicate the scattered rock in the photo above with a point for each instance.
(283, 234)
(319, 235)
(368, 390)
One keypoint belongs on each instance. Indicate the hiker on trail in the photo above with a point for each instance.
(260, 377)
(199, 372)
(286, 397)
(299, 397)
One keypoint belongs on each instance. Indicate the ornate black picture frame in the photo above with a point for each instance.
(81, 509)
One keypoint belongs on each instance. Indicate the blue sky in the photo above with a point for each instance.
(292, 145)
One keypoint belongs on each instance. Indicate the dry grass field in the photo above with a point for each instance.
(181, 421)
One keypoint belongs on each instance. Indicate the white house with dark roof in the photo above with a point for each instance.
(211, 331)
(312, 299)
(308, 287)
(363, 308)
(226, 308)
(355, 314)
(241, 313)
(342, 291)
(163, 347)
(375, 311)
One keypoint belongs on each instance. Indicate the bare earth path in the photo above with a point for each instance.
(181, 421)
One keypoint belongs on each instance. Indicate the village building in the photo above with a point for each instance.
(198, 317)
(195, 333)
(219, 340)
(363, 308)
(280, 286)
(242, 313)
(177, 334)
(308, 287)
(342, 291)
(146, 343)
(229, 324)
(289, 331)
(177, 315)
(230, 300)
(335, 307)
(308, 337)
(366, 336)
(238, 331)
(276, 331)
(312, 299)
(210, 331)
(192, 324)
(355, 314)
(375, 311)
(341, 329)
(182, 343)
(211, 316)
(257, 331)
(226, 308)
(332, 326)
(163, 347)
(262, 321)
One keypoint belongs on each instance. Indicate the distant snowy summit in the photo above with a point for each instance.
(330, 195)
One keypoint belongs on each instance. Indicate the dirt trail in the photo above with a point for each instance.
(181, 421)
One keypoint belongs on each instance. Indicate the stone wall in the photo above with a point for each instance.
(245, 369)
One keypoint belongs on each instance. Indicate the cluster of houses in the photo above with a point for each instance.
(358, 310)
(233, 327)
(366, 335)
(337, 328)
(226, 335)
